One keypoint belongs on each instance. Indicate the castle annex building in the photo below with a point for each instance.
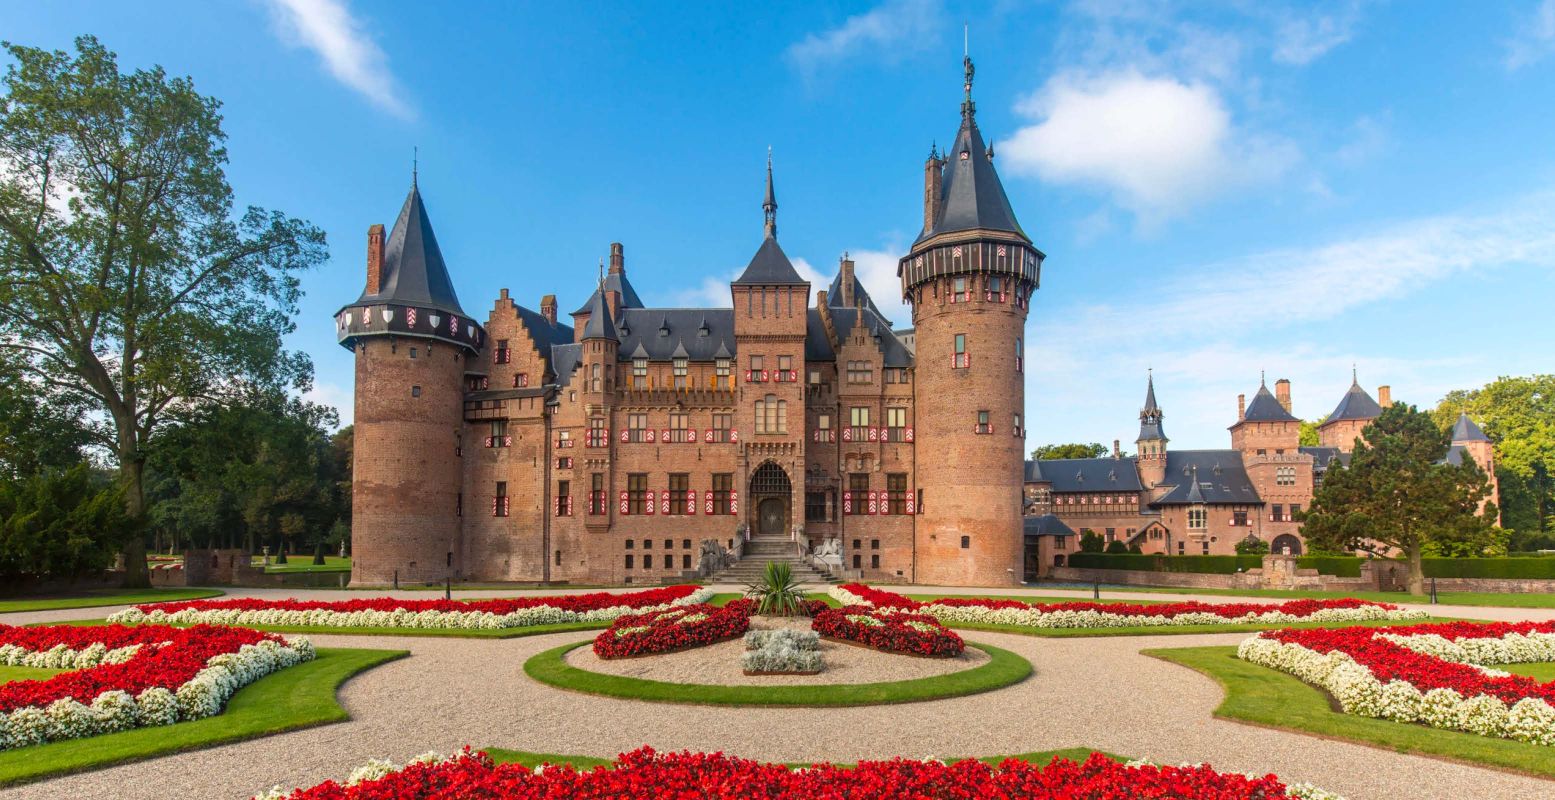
(605, 447)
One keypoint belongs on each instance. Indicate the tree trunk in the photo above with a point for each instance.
(1416, 571)
(318, 553)
(133, 471)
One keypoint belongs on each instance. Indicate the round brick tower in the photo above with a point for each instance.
(413, 344)
(969, 278)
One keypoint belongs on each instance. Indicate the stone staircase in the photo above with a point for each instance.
(760, 550)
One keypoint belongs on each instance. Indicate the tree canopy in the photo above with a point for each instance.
(1518, 414)
(1076, 450)
(1398, 495)
(132, 287)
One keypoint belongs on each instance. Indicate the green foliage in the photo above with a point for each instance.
(37, 432)
(777, 593)
(61, 524)
(1216, 565)
(1518, 414)
(1116, 547)
(1135, 549)
(1252, 546)
(1076, 450)
(134, 289)
(1398, 494)
(1091, 541)
(1340, 566)
(1309, 437)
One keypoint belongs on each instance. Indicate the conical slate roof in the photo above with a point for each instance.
(1150, 416)
(1195, 494)
(413, 272)
(600, 325)
(616, 282)
(770, 266)
(1356, 404)
(1464, 430)
(1266, 408)
(971, 195)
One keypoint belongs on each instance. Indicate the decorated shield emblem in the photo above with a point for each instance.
(388, 314)
(434, 319)
(469, 330)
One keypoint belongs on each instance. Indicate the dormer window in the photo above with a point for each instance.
(639, 373)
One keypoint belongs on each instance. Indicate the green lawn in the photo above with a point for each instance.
(1003, 669)
(106, 597)
(1267, 697)
(532, 760)
(9, 673)
(1500, 599)
(1539, 670)
(296, 697)
(304, 563)
(1177, 630)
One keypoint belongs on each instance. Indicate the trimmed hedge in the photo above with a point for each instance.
(1215, 565)
(1340, 566)
(1489, 568)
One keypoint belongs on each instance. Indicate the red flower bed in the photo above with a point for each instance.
(1391, 661)
(1298, 608)
(715, 776)
(890, 630)
(571, 602)
(168, 658)
(673, 629)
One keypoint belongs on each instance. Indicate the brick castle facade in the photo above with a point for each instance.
(607, 448)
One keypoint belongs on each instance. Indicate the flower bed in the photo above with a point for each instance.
(126, 677)
(715, 776)
(672, 629)
(989, 611)
(889, 630)
(388, 612)
(1430, 674)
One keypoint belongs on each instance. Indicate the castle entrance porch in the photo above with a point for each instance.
(771, 494)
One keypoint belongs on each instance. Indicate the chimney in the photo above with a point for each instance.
(502, 294)
(847, 281)
(932, 176)
(1117, 449)
(617, 259)
(1385, 396)
(374, 258)
(820, 299)
(548, 308)
(1241, 407)
(1282, 393)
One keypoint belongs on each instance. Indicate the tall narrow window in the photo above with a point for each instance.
(499, 434)
(858, 424)
(564, 498)
(639, 373)
(502, 354)
(499, 500)
(680, 428)
(680, 483)
(958, 290)
(637, 427)
(823, 431)
(857, 501)
(960, 359)
(596, 378)
(896, 426)
(681, 372)
(785, 370)
(597, 493)
(723, 424)
(721, 374)
(598, 435)
(984, 425)
(995, 289)
(815, 507)
(637, 493)
(723, 488)
(758, 369)
(1020, 354)
(896, 493)
(1017, 430)
(771, 415)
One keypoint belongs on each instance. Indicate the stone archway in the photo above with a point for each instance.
(772, 497)
(1285, 544)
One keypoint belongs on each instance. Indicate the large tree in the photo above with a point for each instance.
(1518, 414)
(1076, 450)
(130, 283)
(1399, 496)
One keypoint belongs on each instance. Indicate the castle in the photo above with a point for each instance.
(607, 450)
(1203, 502)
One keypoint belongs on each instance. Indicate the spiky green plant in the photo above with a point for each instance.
(777, 593)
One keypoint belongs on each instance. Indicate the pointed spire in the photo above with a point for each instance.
(1195, 495)
(1150, 391)
(1150, 416)
(600, 324)
(769, 206)
(1355, 379)
(971, 196)
(415, 163)
(413, 271)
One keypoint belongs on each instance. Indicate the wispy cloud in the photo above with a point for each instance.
(884, 32)
(1303, 37)
(714, 290)
(333, 395)
(347, 49)
(1158, 145)
(1535, 38)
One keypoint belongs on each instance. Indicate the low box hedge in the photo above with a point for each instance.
(1339, 566)
(1215, 565)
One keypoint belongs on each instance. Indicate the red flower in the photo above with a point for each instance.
(666, 630)
(571, 602)
(1297, 608)
(896, 631)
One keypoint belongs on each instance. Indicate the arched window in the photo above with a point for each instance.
(771, 415)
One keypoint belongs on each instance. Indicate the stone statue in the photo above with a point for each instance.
(714, 557)
(829, 552)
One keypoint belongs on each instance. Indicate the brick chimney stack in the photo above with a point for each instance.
(1282, 393)
(847, 281)
(374, 258)
(1385, 396)
(1117, 448)
(1241, 407)
(933, 175)
(548, 308)
(617, 259)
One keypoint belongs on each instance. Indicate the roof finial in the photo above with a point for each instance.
(1262, 381)
(769, 206)
(415, 162)
(1355, 379)
(968, 108)
(601, 274)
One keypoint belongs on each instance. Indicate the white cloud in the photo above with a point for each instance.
(347, 49)
(882, 32)
(1535, 38)
(1158, 145)
(1369, 138)
(1302, 37)
(714, 290)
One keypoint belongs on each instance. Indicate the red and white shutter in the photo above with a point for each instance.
(734, 502)
(691, 502)
(909, 433)
(626, 435)
(626, 503)
(847, 502)
(912, 506)
(874, 507)
(709, 507)
(734, 435)
(664, 502)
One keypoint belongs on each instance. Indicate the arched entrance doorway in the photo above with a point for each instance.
(772, 496)
(1285, 545)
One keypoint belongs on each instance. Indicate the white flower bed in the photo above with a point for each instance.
(203, 695)
(398, 618)
(1031, 617)
(1360, 692)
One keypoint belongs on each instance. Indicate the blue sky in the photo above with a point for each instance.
(1221, 188)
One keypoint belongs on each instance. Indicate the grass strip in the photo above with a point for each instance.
(1003, 669)
(1266, 697)
(300, 696)
(1487, 599)
(106, 597)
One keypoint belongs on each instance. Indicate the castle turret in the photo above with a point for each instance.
(413, 345)
(1152, 439)
(1355, 411)
(969, 278)
(1469, 440)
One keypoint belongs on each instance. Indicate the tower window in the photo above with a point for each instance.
(958, 293)
(960, 359)
(771, 415)
(639, 373)
(502, 354)
(966, 542)
(412, 352)
(1018, 430)
(1020, 355)
(499, 500)
(415, 391)
(984, 425)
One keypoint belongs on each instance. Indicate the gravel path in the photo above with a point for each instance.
(719, 664)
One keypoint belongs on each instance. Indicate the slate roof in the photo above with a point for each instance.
(697, 332)
(1105, 474)
(1266, 408)
(770, 267)
(861, 297)
(412, 272)
(1045, 525)
(1150, 416)
(616, 282)
(1324, 457)
(1356, 404)
(893, 352)
(817, 345)
(599, 325)
(1222, 478)
(971, 195)
(546, 335)
(1464, 430)
(565, 359)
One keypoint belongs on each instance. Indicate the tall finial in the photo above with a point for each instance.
(769, 206)
(1355, 377)
(601, 274)
(968, 108)
(415, 163)
(1262, 381)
